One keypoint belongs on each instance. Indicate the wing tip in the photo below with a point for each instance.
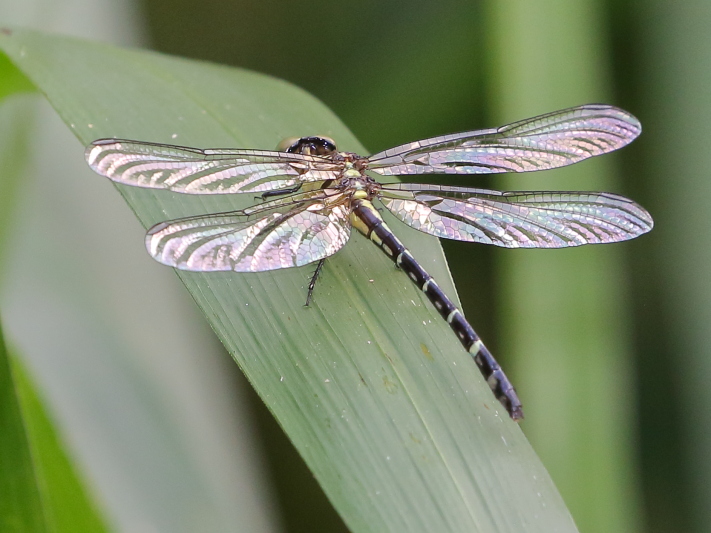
(625, 119)
(646, 218)
(157, 228)
(155, 245)
(94, 149)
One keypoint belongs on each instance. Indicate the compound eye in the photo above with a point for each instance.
(328, 145)
(322, 146)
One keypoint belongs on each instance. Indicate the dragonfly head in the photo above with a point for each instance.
(322, 146)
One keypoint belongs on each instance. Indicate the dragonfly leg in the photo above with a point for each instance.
(280, 192)
(312, 284)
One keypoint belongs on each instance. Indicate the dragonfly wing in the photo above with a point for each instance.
(195, 171)
(517, 219)
(547, 141)
(282, 237)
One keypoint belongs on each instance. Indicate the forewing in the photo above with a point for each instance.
(517, 219)
(286, 236)
(195, 171)
(547, 141)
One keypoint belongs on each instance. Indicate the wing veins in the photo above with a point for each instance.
(569, 218)
(548, 141)
(214, 171)
(282, 233)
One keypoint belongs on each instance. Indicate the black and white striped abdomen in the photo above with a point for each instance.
(370, 223)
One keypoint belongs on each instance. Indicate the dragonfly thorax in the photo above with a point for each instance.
(357, 184)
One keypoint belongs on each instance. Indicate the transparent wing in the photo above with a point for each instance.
(195, 171)
(284, 233)
(517, 219)
(547, 141)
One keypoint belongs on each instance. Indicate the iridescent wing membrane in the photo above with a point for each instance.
(309, 226)
(547, 141)
(516, 219)
(283, 233)
(213, 171)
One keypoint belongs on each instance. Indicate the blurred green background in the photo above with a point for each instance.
(608, 346)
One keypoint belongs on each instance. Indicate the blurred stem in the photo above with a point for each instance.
(672, 53)
(563, 314)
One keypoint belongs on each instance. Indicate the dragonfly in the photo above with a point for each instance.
(313, 195)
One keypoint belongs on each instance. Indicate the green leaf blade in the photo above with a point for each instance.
(20, 499)
(40, 489)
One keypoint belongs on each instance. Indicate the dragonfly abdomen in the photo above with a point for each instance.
(369, 222)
